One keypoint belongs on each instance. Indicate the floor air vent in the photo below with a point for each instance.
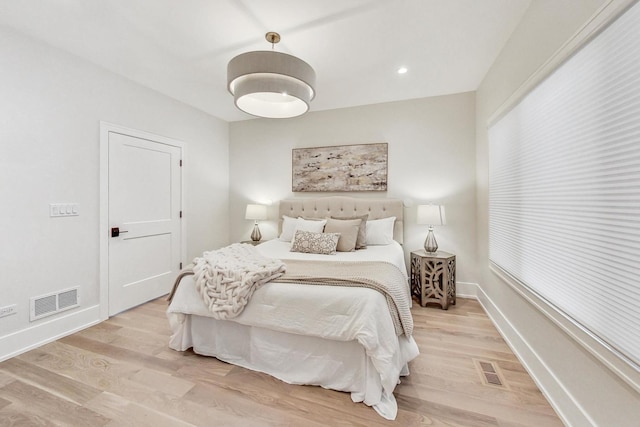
(46, 305)
(490, 374)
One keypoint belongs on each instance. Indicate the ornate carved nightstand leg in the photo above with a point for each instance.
(451, 267)
(416, 278)
(435, 286)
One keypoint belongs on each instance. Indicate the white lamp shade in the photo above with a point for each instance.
(256, 212)
(431, 215)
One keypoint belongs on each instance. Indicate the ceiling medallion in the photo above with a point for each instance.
(271, 84)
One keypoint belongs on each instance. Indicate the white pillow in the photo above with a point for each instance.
(288, 228)
(291, 225)
(310, 225)
(380, 231)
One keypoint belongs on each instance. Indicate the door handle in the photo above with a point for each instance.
(115, 231)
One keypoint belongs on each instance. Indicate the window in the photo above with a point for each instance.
(564, 189)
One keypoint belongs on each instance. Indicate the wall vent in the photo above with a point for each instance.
(490, 373)
(46, 305)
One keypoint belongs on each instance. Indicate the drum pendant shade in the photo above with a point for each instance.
(271, 84)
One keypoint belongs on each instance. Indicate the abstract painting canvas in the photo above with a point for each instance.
(360, 167)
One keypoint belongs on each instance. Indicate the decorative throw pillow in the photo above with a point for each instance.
(361, 243)
(348, 229)
(288, 227)
(380, 231)
(315, 243)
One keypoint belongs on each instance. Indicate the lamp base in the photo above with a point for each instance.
(430, 244)
(256, 235)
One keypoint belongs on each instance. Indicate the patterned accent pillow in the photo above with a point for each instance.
(315, 243)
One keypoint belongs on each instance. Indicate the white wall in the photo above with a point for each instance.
(51, 104)
(431, 158)
(583, 391)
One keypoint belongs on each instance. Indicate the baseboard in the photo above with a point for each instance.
(569, 411)
(467, 290)
(45, 332)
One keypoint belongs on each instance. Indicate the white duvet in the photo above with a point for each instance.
(335, 313)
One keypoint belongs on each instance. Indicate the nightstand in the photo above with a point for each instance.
(253, 242)
(433, 277)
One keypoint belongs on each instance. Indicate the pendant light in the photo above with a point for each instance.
(271, 84)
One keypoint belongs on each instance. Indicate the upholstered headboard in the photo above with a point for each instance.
(323, 207)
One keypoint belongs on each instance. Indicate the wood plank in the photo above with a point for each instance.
(16, 415)
(135, 357)
(36, 401)
(103, 332)
(165, 383)
(4, 377)
(51, 382)
(3, 403)
(84, 366)
(439, 414)
(123, 412)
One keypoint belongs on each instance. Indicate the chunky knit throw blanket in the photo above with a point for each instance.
(227, 277)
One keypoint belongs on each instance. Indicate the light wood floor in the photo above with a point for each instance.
(121, 373)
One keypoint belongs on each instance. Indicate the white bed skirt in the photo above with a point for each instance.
(336, 365)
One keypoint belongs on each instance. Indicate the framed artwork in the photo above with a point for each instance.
(360, 167)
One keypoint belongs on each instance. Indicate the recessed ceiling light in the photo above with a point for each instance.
(402, 70)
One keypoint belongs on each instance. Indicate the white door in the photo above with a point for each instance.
(144, 204)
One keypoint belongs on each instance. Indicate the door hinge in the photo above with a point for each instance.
(180, 162)
(180, 266)
(180, 214)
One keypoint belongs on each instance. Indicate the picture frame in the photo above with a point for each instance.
(340, 168)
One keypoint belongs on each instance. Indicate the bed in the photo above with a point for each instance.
(343, 338)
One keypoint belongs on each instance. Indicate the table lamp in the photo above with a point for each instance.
(431, 215)
(256, 212)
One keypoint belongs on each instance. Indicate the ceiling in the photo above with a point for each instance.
(181, 47)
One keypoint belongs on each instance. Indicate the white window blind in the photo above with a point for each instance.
(564, 188)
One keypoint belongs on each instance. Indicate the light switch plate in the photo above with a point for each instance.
(63, 209)
(8, 310)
